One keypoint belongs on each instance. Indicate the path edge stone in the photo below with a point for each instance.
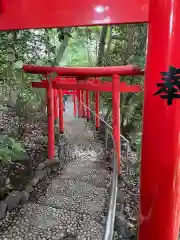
(17, 198)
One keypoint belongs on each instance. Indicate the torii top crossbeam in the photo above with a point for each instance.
(160, 159)
(85, 71)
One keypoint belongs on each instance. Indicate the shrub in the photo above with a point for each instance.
(10, 150)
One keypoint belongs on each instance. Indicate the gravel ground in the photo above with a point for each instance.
(70, 203)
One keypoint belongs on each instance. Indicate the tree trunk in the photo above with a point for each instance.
(102, 44)
(130, 33)
(109, 40)
(107, 114)
(62, 48)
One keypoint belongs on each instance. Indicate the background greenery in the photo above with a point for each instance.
(82, 46)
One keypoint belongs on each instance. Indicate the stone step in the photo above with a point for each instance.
(38, 222)
(83, 167)
(75, 201)
(89, 158)
(96, 177)
(76, 196)
(74, 187)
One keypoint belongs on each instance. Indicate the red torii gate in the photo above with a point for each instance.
(102, 86)
(80, 97)
(58, 105)
(115, 87)
(57, 97)
(160, 175)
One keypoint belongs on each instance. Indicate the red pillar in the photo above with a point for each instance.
(82, 106)
(79, 103)
(97, 102)
(160, 163)
(87, 104)
(74, 100)
(50, 108)
(116, 116)
(61, 107)
(55, 103)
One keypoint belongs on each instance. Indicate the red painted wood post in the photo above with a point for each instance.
(79, 103)
(74, 100)
(61, 107)
(50, 108)
(88, 114)
(55, 103)
(78, 96)
(116, 116)
(160, 157)
(97, 102)
(82, 105)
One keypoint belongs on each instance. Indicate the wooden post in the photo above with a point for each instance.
(55, 103)
(160, 157)
(88, 114)
(50, 108)
(74, 100)
(61, 107)
(97, 102)
(116, 115)
(82, 105)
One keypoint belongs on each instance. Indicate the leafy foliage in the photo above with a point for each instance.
(10, 150)
(82, 46)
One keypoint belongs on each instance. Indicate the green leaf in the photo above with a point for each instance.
(16, 145)
(18, 64)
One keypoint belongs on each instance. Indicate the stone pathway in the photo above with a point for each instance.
(74, 203)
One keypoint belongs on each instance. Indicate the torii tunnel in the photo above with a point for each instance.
(80, 83)
(160, 157)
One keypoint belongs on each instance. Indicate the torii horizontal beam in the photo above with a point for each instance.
(60, 79)
(127, 70)
(69, 92)
(18, 14)
(100, 87)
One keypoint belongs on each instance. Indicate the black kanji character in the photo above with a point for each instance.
(171, 85)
